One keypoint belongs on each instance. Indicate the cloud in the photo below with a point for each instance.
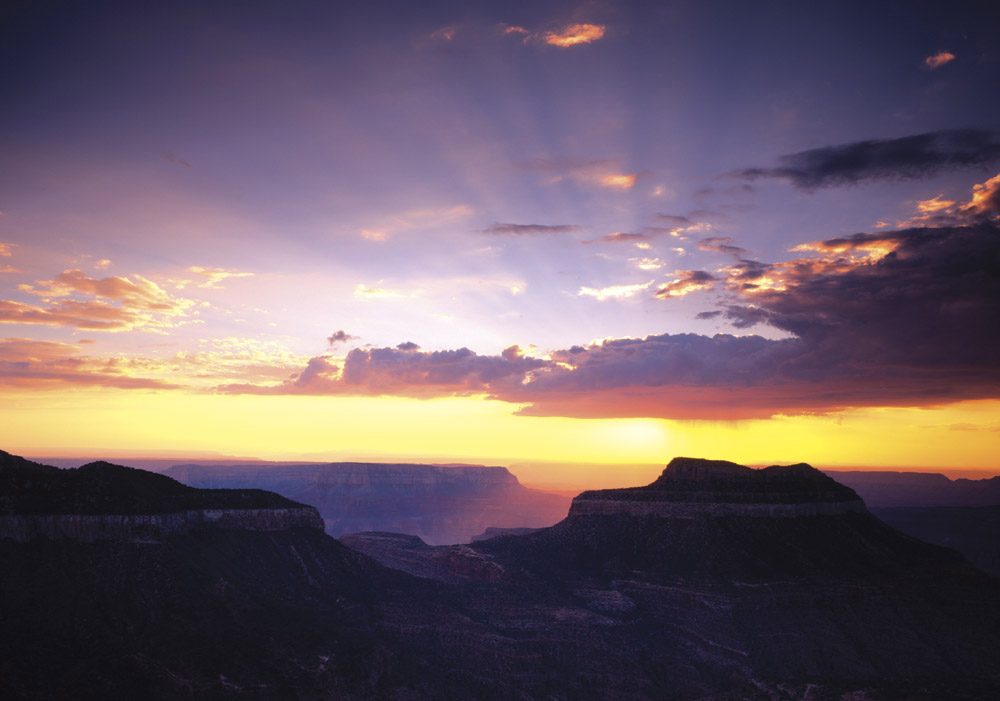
(721, 244)
(171, 157)
(362, 291)
(444, 34)
(5, 249)
(402, 371)
(414, 220)
(566, 36)
(574, 35)
(614, 291)
(880, 159)
(508, 229)
(102, 264)
(605, 173)
(339, 336)
(908, 317)
(647, 263)
(982, 205)
(621, 237)
(685, 282)
(214, 276)
(619, 181)
(935, 61)
(35, 365)
(114, 303)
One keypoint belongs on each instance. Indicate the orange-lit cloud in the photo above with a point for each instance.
(33, 364)
(569, 35)
(619, 181)
(982, 205)
(574, 35)
(934, 204)
(605, 173)
(5, 250)
(115, 303)
(935, 61)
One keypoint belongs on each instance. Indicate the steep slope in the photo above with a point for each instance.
(440, 504)
(973, 531)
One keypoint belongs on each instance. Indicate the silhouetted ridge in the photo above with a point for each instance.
(103, 488)
(697, 480)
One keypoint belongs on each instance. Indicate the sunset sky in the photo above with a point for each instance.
(604, 232)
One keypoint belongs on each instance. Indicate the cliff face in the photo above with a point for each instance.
(94, 527)
(440, 504)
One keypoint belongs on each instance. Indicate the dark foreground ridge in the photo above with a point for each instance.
(103, 488)
(101, 501)
(709, 604)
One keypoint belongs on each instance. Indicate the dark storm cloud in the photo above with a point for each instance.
(879, 159)
(508, 229)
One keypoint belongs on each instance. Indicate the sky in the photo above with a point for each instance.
(595, 232)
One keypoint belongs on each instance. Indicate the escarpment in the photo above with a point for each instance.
(101, 501)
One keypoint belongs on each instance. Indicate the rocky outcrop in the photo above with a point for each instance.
(696, 488)
(440, 504)
(94, 527)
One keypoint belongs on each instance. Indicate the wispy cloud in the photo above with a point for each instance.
(563, 37)
(935, 61)
(414, 220)
(614, 291)
(213, 277)
(604, 173)
(509, 229)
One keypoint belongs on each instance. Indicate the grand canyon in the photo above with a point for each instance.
(519, 350)
(714, 581)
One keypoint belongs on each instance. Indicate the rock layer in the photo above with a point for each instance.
(94, 527)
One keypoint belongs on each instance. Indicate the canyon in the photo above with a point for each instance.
(440, 504)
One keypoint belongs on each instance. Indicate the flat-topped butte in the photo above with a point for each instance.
(693, 487)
